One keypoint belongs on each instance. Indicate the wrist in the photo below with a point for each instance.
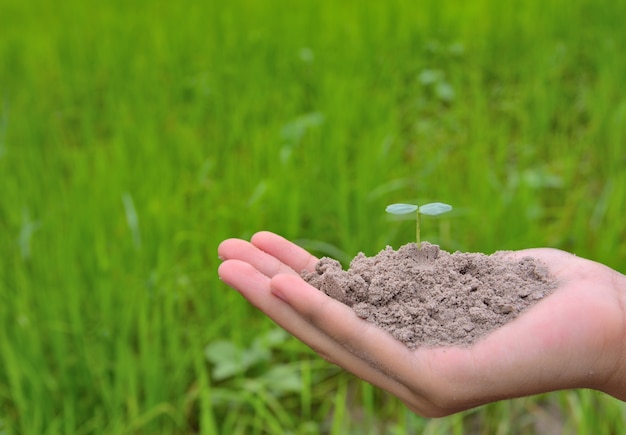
(615, 384)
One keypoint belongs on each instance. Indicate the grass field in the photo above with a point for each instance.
(135, 136)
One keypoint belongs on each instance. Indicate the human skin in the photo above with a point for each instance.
(574, 338)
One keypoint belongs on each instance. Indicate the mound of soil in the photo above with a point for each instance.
(430, 297)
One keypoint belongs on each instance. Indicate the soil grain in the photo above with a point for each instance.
(430, 297)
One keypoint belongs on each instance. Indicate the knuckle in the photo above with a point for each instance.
(314, 312)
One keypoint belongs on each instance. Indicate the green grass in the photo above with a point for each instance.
(134, 137)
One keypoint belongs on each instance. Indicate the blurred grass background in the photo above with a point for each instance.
(135, 136)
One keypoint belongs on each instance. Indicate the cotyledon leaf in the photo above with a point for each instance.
(401, 208)
(435, 208)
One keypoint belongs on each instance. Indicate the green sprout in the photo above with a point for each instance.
(432, 209)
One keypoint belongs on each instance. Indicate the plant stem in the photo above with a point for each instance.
(417, 229)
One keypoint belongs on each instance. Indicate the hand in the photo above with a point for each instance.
(574, 338)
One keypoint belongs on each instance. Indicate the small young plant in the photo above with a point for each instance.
(432, 209)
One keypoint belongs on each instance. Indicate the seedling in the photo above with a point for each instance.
(432, 209)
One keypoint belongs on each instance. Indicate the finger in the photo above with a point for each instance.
(255, 287)
(399, 366)
(237, 249)
(340, 322)
(289, 253)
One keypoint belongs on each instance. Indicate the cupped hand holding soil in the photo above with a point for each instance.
(573, 338)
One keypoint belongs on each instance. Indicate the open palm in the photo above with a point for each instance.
(574, 338)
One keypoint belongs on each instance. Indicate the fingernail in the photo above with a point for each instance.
(219, 257)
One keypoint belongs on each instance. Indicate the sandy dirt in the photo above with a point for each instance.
(430, 297)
